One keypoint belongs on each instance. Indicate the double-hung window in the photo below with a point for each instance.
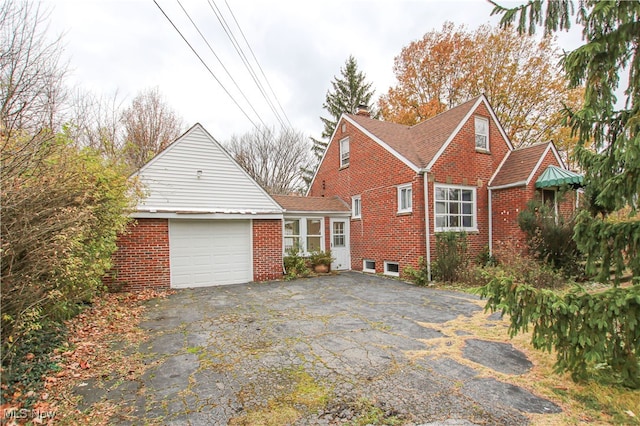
(455, 208)
(344, 152)
(292, 234)
(356, 207)
(482, 133)
(303, 234)
(314, 235)
(404, 198)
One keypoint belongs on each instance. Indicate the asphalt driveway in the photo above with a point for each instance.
(337, 349)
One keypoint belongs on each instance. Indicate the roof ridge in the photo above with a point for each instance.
(472, 100)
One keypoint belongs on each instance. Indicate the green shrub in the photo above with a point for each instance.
(418, 276)
(550, 238)
(451, 256)
(295, 265)
(60, 219)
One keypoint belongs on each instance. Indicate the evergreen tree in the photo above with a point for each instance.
(591, 329)
(348, 92)
(608, 148)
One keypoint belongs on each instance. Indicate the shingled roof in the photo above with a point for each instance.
(519, 165)
(420, 143)
(295, 203)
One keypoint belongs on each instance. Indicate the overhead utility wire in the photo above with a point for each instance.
(244, 59)
(223, 66)
(258, 63)
(205, 64)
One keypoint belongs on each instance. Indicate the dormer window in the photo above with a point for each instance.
(344, 152)
(482, 134)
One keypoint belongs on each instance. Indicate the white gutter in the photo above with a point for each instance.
(425, 174)
(490, 224)
(509, 185)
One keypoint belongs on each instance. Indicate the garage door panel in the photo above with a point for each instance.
(210, 252)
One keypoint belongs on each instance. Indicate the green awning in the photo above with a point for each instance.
(555, 176)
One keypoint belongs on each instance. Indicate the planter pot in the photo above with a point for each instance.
(321, 269)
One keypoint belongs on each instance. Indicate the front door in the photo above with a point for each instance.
(340, 249)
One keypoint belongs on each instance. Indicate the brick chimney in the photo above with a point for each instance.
(363, 110)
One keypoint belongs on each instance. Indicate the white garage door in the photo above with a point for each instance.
(209, 252)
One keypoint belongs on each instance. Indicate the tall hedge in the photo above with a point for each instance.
(62, 208)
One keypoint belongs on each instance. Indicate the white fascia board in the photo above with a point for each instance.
(539, 163)
(298, 213)
(205, 215)
(383, 144)
(509, 185)
(504, 160)
(446, 144)
(481, 99)
(324, 154)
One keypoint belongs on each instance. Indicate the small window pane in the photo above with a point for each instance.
(454, 208)
(441, 221)
(441, 194)
(292, 227)
(466, 221)
(313, 227)
(466, 195)
(313, 244)
(441, 208)
(454, 194)
(466, 208)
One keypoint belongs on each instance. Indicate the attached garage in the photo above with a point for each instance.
(203, 221)
(209, 252)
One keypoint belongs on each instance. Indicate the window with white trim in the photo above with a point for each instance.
(482, 133)
(344, 152)
(305, 233)
(404, 198)
(369, 265)
(291, 234)
(455, 208)
(392, 268)
(356, 207)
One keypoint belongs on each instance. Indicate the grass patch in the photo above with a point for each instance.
(371, 414)
(300, 394)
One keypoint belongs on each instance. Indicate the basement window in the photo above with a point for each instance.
(369, 266)
(392, 268)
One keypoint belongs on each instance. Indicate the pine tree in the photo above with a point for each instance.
(348, 92)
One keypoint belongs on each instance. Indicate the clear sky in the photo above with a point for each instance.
(129, 45)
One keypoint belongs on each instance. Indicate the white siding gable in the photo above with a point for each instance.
(195, 175)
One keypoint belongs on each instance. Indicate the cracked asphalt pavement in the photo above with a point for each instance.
(335, 349)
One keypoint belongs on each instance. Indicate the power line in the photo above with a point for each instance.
(258, 63)
(244, 59)
(205, 64)
(220, 61)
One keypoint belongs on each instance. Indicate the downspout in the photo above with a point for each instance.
(490, 223)
(425, 174)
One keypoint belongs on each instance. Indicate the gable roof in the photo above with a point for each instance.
(422, 144)
(196, 175)
(295, 203)
(520, 165)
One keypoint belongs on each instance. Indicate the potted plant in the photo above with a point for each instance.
(321, 261)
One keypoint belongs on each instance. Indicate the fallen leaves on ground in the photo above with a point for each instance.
(94, 349)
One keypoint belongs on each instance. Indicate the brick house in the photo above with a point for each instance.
(456, 171)
(378, 200)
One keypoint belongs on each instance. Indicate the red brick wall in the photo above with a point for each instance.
(267, 249)
(142, 259)
(381, 234)
(460, 164)
(509, 202)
